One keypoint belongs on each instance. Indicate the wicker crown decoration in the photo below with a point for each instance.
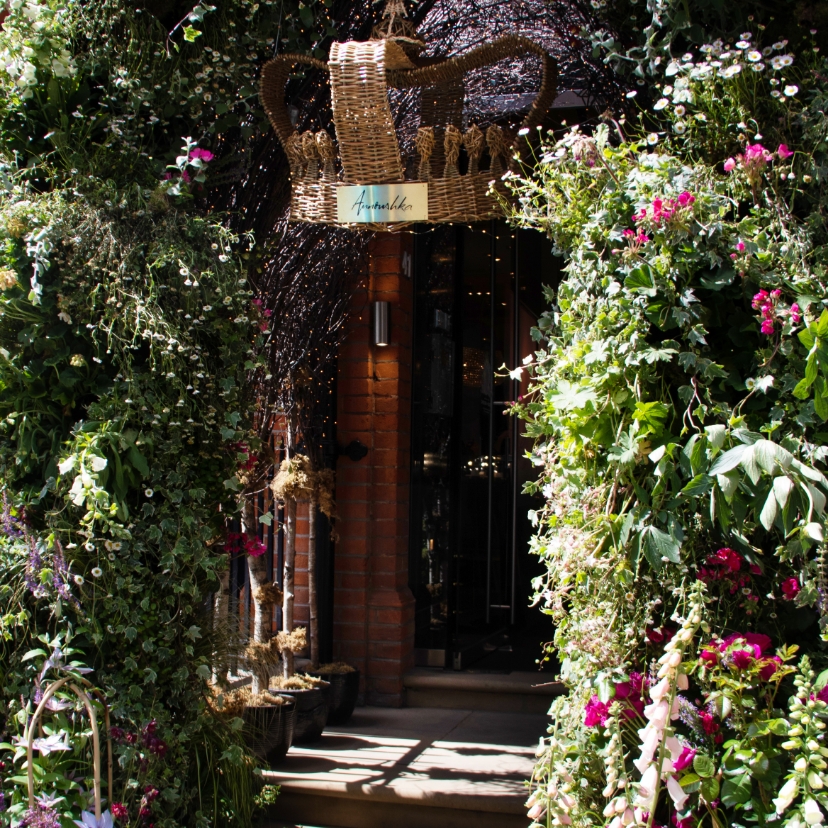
(360, 179)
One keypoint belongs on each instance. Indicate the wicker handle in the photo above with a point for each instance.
(512, 46)
(275, 76)
(28, 735)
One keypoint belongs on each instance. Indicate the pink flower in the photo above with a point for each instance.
(742, 659)
(796, 313)
(709, 724)
(790, 589)
(257, 302)
(733, 256)
(767, 327)
(684, 761)
(254, 547)
(727, 559)
(823, 694)
(595, 712)
(642, 238)
(685, 199)
(203, 154)
(756, 155)
(755, 569)
(769, 667)
(776, 293)
(740, 246)
(759, 299)
(629, 233)
(186, 176)
(730, 165)
(119, 811)
(783, 152)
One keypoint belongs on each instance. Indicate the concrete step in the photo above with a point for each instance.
(412, 768)
(510, 692)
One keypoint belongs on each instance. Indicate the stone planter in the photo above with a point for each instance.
(343, 695)
(268, 729)
(311, 711)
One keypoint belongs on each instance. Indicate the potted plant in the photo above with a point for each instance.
(269, 720)
(311, 696)
(344, 681)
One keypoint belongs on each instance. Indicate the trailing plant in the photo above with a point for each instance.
(128, 336)
(678, 399)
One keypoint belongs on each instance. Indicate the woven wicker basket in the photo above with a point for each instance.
(367, 150)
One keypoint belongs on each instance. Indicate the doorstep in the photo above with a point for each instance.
(518, 692)
(410, 768)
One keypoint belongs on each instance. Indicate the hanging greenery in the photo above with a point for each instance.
(678, 399)
(128, 335)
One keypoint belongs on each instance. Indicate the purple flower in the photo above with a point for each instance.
(43, 815)
(88, 820)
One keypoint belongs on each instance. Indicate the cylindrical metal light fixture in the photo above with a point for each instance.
(382, 315)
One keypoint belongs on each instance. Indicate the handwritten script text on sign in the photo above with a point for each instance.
(382, 203)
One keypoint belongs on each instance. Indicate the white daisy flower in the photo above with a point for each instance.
(89, 546)
(149, 492)
(742, 44)
(679, 127)
(786, 60)
(791, 90)
(768, 50)
(775, 93)
(680, 110)
(732, 71)
(758, 67)
(78, 579)
(96, 572)
(753, 56)
(746, 35)
(111, 556)
(660, 104)
(629, 95)
(652, 138)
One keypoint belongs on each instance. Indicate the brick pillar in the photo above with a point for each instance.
(373, 606)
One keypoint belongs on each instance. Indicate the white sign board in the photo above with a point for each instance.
(382, 203)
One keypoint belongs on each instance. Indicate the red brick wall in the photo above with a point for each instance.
(373, 606)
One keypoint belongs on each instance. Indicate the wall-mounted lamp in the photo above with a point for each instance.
(382, 314)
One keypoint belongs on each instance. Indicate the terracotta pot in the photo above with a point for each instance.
(343, 695)
(268, 729)
(311, 712)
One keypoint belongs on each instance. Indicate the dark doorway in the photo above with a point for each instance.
(479, 291)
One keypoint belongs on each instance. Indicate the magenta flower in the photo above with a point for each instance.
(796, 313)
(767, 327)
(759, 299)
(790, 589)
(685, 199)
(730, 165)
(685, 759)
(742, 659)
(740, 246)
(769, 667)
(776, 293)
(756, 155)
(202, 154)
(783, 152)
(595, 712)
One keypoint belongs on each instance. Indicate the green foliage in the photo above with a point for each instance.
(678, 401)
(128, 333)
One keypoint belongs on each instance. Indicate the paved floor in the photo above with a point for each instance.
(473, 760)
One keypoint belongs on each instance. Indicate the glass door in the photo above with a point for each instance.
(469, 531)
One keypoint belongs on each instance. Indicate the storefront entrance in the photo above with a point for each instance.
(478, 292)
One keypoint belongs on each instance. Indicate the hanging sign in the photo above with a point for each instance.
(382, 203)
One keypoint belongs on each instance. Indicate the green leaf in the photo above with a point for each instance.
(782, 488)
(659, 545)
(640, 280)
(821, 399)
(716, 435)
(138, 461)
(233, 484)
(736, 791)
(689, 779)
(822, 325)
(34, 654)
(703, 765)
(701, 484)
(266, 518)
(190, 34)
(769, 511)
(807, 337)
(729, 460)
(709, 789)
(204, 671)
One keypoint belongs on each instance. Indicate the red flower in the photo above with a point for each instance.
(769, 667)
(709, 655)
(660, 635)
(119, 811)
(790, 589)
(709, 724)
(742, 659)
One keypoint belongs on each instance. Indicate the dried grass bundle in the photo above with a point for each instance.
(293, 642)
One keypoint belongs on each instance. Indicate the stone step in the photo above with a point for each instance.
(411, 768)
(510, 692)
